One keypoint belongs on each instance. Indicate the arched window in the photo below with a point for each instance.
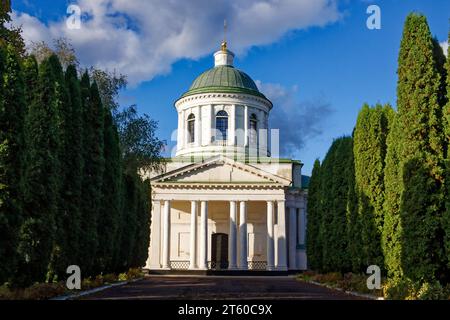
(191, 128)
(221, 125)
(253, 134)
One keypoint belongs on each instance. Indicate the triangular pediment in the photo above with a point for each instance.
(220, 170)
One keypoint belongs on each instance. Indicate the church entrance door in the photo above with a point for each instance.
(219, 251)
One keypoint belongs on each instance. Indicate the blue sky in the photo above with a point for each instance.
(319, 71)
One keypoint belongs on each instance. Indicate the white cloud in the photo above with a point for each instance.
(143, 38)
(444, 46)
(298, 121)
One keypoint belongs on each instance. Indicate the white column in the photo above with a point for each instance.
(198, 126)
(232, 244)
(243, 264)
(270, 246)
(281, 236)
(203, 263)
(154, 257)
(166, 236)
(292, 238)
(246, 125)
(193, 244)
(232, 128)
(179, 131)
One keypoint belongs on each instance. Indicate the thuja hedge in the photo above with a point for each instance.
(391, 191)
(64, 192)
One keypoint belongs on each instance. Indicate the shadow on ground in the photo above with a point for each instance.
(208, 287)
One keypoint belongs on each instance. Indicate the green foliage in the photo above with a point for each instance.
(42, 178)
(67, 193)
(69, 213)
(332, 204)
(31, 78)
(446, 114)
(8, 35)
(93, 155)
(370, 135)
(140, 146)
(415, 153)
(59, 263)
(111, 208)
(406, 289)
(143, 221)
(313, 245)
(12, 114)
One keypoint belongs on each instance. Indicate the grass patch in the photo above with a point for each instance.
(347, 282)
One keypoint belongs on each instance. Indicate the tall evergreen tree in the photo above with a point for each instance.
(12, 114)
(313, 245)
(71, 157)
(343, 202)
(326, 221)
(93, 141)
(42, 174)
(110, 213)
(4, 225)
(370, 135)
(129, 222)
(446, 218)
(31, 78)
(59, 263)
(337, 184)
(414, 174)
(143, 221)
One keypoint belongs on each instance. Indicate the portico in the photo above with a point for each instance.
(238, 244)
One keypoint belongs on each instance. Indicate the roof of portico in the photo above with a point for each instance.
(233, 174)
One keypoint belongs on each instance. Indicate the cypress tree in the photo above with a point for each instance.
(4, 224)
(342, 193)
(337, 182)
(414, 175)
(42, 174)
(72, 158)
(31, 78)
(446, 218)
(60, 254)
(326, 175)
(370, 135)
(143, 225)
(313, 245)
(93, 141)
(110, 212)
(130, 215)
(12, 113)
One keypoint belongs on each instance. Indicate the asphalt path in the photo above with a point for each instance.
(219, 287)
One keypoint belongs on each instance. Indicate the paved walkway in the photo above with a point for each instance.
(219, 287)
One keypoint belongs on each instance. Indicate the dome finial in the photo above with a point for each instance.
(224, 42)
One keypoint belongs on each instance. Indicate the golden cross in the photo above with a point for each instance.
(224, 43)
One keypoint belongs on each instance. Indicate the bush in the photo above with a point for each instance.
(431, 291)
(398, 289)
(38, 291)
(409, 290)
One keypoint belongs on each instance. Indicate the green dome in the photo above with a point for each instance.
(224, 79)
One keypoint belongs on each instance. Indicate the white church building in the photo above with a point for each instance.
(225, 201)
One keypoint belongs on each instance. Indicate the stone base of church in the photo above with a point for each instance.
(243, 273)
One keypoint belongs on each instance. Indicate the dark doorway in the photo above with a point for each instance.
(219, 251)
